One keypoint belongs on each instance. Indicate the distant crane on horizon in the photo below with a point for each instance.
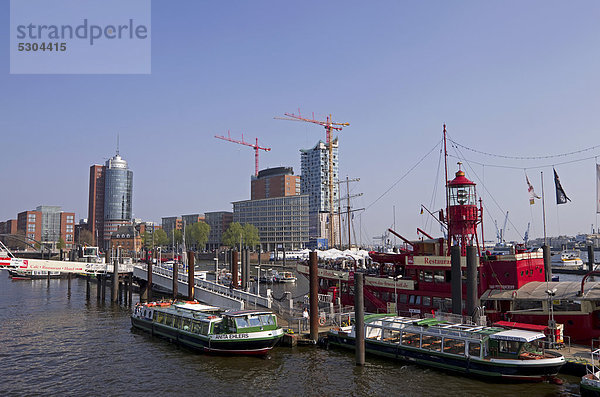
(242, 142)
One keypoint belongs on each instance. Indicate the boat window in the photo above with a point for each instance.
(454, 346)
(412, 300)
(154, 315)
(418, 300)
(421, 275)
(430, 342)
(508, 346)
(437, 302)
(169, 319)
(428, 277)
(196, 325)
(391, 335)
(204, 327)
(426, 301)
(160, 317)
(402, 298)
(528, 305)
(241, 322)
(438, 276)
(186, 324)
(567, 306)
(267, 319)
(411, 339)
(474, 349)
(385, 296)
(253, 321)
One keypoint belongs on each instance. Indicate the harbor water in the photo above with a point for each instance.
(56, 343)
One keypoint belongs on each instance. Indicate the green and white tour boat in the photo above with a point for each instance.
(207, 328)
(469, 349)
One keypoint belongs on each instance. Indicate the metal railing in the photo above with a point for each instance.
(213, 287)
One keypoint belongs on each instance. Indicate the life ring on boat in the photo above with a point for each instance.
(321, 321)
(514, 294)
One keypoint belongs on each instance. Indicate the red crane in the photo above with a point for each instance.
(329, 127)
(255, 147)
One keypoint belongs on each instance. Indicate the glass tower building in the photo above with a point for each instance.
(118, 187)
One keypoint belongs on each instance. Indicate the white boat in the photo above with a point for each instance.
(284, 277)
(567, 259)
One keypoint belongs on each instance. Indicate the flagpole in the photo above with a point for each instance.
(543, 206)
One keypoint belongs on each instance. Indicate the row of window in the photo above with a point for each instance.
(430, 342)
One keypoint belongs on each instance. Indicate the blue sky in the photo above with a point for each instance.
(511, 78)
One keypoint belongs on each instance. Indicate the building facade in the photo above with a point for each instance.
(95, 219)
(118, 193)
(192, 218)
(274, 182)
(171, 223)
(47, 225)
(282, 222)
(29, 224)
(127, 240)
(314, 182)
(218, 222)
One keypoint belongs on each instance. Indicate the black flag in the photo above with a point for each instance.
(561, 196)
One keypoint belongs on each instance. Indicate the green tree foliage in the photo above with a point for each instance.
(232, 235)
(251, 238)
(147, 240)
(60, 245)
(248, 234)
(160, 238)
(86, 237)
(196, 234)
(178, 237)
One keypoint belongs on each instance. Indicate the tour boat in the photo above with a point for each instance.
(32, 274)
(417, 279)
(284, 277)
(469, 349)
(207, 328)
(567, 259)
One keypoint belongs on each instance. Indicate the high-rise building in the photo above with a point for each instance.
(314, 182)
(274, 182)
(96, 203)
(118, 192)
(48, 224)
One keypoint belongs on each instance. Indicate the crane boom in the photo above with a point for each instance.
(242, 142)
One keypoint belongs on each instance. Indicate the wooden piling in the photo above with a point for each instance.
(314, 295)
(234, 269)
(191, 283)
(359, 318)
(175, 274)
(590, 252)
(98, 287)
(149, 282)
(130, 290)
(69, 284)
(456, 282)
(472, 298)
(547, 262)
(104, 287)
(87, 287)
(115, 281)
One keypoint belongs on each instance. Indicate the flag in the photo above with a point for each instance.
(532, 195)
(561, 196)
(598, 188)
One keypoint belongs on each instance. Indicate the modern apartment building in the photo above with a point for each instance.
(282, 222)
(172, 222)
(314, 163)
(48, 224)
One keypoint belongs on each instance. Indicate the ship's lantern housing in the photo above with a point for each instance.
(463, 213)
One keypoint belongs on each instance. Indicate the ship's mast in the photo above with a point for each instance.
(447, 192)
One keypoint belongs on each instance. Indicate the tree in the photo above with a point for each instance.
(251, 238)
(160, 238)
(147, 239)
(178, 237)
(197, 234)
(233, 234)
(60, 245)
(86, 237)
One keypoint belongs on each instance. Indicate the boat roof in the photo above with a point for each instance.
(196, 307)
(240, 313)
(518, 335)
(536, 290)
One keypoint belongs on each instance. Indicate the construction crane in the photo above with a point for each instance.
(526, 237)
(330, 126)
(255, 147)
(501, 233)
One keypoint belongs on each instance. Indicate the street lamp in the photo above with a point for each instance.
(551, 322)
